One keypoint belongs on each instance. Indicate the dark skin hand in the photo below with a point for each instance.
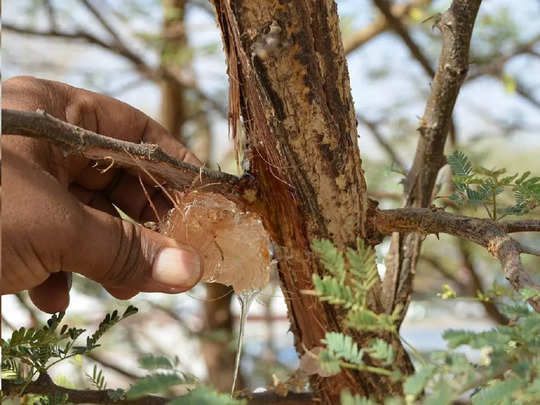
(57, 212)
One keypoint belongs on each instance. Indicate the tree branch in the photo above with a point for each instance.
(380, 25)
(373, 127)
(111, 365)
(399, 27)
(103, 21)
(177, 174)
(469, 283)
(527, 225)
(474, 283)
(497, 61)
(51, 14)
(456, 26)
(45, 385)
(483, 232)
(119, 48)
(76, 35)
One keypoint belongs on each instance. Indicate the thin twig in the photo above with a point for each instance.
(103, 21)
(73, 139)
(497, 61)
(470, 284)
(121, 49)
(358, 38)
(51, 14)
(529, 250)
(112, 365)
(7, 323)
(373, 127)
(399, 27)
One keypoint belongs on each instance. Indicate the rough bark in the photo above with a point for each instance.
(289, 82)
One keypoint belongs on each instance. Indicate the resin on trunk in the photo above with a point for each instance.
(234, 246)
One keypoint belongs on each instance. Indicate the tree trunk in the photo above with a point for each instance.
(175, 42)
(289, 82)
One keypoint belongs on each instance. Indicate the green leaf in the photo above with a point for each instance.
(206, 396)
(497, 392)
(331, 258)
(130, 310)
(365, 319)
(457, 337)
(363, 266)
(416, 383)
(343, 347)
(97, 378)
(348, 399)
(330, 289)
(153, 384)
(447, 292)
(442, 395)
(150, 362)
(529, 292)
(381, 350)
(460, 164)
(523, 177)
(329, 363)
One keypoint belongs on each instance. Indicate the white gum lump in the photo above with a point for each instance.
(234, 245)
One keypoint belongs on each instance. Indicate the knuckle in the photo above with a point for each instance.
(81, 109)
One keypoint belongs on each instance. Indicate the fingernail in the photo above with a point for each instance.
(177, 267)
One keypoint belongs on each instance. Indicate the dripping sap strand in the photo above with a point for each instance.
(246, 298)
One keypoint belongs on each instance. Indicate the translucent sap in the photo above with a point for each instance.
(246, 298)
(234, 245)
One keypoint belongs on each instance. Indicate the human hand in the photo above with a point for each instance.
(57, 213)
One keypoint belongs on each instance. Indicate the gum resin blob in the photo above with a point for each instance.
(233, 243)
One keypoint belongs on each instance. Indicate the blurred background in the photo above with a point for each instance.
(165, 58)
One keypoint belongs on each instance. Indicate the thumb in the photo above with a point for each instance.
(120, 254)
